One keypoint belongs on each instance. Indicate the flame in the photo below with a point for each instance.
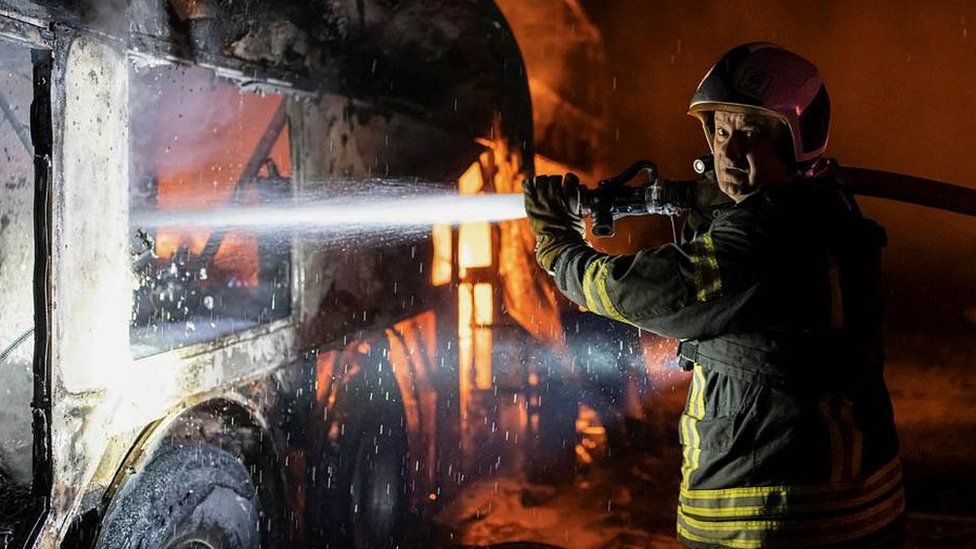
(189, 178)
(413, 356)
(475, 300)
(442, 268)
(470, 181)
(497, 271)
(474, 248)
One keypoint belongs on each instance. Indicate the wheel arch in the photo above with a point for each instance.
(229, 422)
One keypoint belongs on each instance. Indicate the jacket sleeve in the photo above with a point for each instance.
(688, 291)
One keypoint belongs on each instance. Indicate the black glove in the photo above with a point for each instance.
(556, 227)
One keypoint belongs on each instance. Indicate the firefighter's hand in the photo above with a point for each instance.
(555, 226)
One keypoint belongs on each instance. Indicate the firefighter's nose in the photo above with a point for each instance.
(733, 149)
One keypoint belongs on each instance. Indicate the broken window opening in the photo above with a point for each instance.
(17, 292)
(205, 144)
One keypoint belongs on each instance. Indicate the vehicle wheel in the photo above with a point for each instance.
(193, 496)
(361, 499)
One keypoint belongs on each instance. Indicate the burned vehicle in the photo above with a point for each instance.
(178, 386)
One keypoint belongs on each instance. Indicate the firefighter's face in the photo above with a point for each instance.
(749, 152)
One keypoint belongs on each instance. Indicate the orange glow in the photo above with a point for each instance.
(465, 345)
(545, 165)
(475, 302)
(189, 178)
(492, 258)
(470, 181)
(659, 361)
(474, 248)
(413, 356)
(441, 269)
(483, 304)
(236, 261)
(324, 371)
(528, 294)
(592, 435)
(474, 338)
(482, 359)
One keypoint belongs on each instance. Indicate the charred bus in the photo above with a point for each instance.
(209, 387)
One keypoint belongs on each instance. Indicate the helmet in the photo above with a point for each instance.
(766, 78)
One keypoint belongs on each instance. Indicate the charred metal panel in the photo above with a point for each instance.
(92, 210)
(346, 285)
(89, 261)
(456, 59)
(567, 77)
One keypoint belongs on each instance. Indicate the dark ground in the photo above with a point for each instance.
(628, 498)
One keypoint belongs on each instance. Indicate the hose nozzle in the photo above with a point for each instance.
(613, 198)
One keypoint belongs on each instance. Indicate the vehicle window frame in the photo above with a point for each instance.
(246, 84)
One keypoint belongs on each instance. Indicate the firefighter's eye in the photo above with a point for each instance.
(751, 133)
(721, 132)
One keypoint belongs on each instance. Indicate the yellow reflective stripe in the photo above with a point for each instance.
(699, 377)
(601, 289)
(856, 437)
(708, 279)
(700, 404)
(710, 251)
(846, 439)
(691, 452)
(685, 452)
(820, 536)
(588, 282)
(699, 275)
(735, 543)
(837, 458)
(693, 395)
(832, 504)
(888, 508)
(595, 289)
(870, 528)
(689, 432)
(763, 491)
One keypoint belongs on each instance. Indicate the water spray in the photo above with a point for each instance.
(318, 215)
(377, 207)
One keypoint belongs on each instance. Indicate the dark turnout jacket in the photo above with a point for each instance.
(788, 432)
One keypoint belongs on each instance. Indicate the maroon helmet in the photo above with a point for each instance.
(766, 78)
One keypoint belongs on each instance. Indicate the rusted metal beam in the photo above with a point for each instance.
(261, 153)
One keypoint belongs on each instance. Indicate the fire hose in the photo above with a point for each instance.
(613, 198)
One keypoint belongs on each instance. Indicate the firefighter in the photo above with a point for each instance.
(788, 434)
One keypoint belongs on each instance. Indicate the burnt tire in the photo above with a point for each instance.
(187, 496)
(362, 495)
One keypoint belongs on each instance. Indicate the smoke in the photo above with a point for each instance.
(193, 127)
(108, 15)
